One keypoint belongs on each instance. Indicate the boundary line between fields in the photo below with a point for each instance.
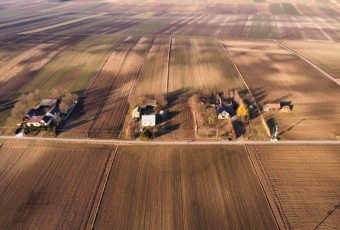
(268, 192)
(168, 67)
(113, 82)
(324, 73)
(100, 191)
(244, 82)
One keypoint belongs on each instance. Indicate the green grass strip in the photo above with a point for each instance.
(61, 24)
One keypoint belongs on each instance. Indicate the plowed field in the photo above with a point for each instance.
(154, 75)
(201, 64)
(302, 182)
(46, 185)
(274, 74)
(109, 122)
(89, 107)
(324, 55)
(183, 188)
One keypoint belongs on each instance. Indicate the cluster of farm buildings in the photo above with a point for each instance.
(42, 114)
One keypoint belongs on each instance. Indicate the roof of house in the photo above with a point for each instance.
(273, 105)
(149, 118)
(46, 119)
(35, 119)
(229, 109)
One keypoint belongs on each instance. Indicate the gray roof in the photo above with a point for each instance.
(229, 109)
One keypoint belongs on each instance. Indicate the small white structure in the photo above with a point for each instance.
(136, 113)
(148, 120)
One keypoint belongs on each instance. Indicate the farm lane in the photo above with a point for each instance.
(190, 142)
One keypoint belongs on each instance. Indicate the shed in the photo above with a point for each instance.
(136, 113)
(148, 120)
(48, 102)
(270, 106)
(151, 103)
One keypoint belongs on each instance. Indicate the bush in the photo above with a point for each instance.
(146, 135)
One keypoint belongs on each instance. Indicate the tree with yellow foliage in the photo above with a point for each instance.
(242, 110)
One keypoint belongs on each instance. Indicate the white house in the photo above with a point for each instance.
(148, 120)
(223, 115)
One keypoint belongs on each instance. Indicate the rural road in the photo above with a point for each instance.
(122, 142)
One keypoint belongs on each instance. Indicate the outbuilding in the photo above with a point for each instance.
(148, 120)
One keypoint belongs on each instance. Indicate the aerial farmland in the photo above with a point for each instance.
(192, 114)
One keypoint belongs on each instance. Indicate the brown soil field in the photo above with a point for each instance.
(193, 59)
(324, 55)
(308, 29)
(273, 74)
(19, 65)
(49, 185)
(109, 122)
(89, 107)
(154, 74)
(302, 183)
(178, 123)
(287, 28)
(313, 121)
(190, 187)
(217, 25)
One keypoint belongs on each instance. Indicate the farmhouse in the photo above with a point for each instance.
(270, 106)
(224, 111)
(35, 121)
(148, 120)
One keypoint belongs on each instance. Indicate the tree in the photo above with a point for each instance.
(146, 134)
(67, 101)
(19, 110)
(63, 107)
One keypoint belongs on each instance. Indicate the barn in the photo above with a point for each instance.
(148, 120)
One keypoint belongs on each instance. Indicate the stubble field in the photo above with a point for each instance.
(302, 183)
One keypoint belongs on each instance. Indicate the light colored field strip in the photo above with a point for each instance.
(28, 19)
(62, 24)
(99, 196)
(309, 62)
(122, 142)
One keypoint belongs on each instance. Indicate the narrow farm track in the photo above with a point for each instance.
(111, 118)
